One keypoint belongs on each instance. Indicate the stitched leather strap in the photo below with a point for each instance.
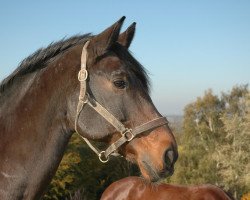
(130, 134)
(107, 115)
(82, 77)
(150, 125)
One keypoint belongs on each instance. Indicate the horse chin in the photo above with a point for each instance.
(153, 175)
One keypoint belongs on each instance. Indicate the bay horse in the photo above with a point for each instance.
(89, 84)
(136, 188)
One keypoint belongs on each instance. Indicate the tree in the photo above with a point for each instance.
(214, 145)
(201, 126)
(233, 156)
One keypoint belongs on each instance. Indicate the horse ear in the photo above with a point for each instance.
(127, 36)
(103, 41)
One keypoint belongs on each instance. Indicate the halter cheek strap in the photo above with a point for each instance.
(126, 134)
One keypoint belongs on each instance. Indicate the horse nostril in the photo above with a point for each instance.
(169, 158)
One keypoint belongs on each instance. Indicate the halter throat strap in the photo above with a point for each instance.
(126, 133)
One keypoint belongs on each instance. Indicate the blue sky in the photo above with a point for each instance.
(187, 46)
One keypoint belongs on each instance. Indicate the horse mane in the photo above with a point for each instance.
(40, 58)
(134, 67)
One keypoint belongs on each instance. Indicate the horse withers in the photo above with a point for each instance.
(136, 188)
(46, 99)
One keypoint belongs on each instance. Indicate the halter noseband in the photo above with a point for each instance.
(127, 134)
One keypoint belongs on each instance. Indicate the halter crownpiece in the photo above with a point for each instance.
(127, 134)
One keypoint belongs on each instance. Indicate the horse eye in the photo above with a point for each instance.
(121, 84)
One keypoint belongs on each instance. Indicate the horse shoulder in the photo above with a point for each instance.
(128, 188)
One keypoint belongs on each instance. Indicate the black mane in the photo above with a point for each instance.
(133, 65)
(41, 57)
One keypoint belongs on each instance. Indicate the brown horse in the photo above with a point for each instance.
(135, 188)
(42, 103)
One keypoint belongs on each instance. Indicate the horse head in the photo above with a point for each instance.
(114, 105)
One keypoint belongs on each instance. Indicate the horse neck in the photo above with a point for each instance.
(34, 129)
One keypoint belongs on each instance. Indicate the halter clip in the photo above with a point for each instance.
(82, 75)
(102, 157)
(128, 135)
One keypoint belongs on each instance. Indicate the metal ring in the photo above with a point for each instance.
(101, 154)
(83, 75)
(130, 137)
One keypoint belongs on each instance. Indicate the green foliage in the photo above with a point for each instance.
(81, 169)
(214, 143)
(233, 156)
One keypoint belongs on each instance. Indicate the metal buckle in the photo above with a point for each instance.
(128, 135)
(101, 156)
(83, 75)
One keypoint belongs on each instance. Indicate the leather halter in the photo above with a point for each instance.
(127, 134)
